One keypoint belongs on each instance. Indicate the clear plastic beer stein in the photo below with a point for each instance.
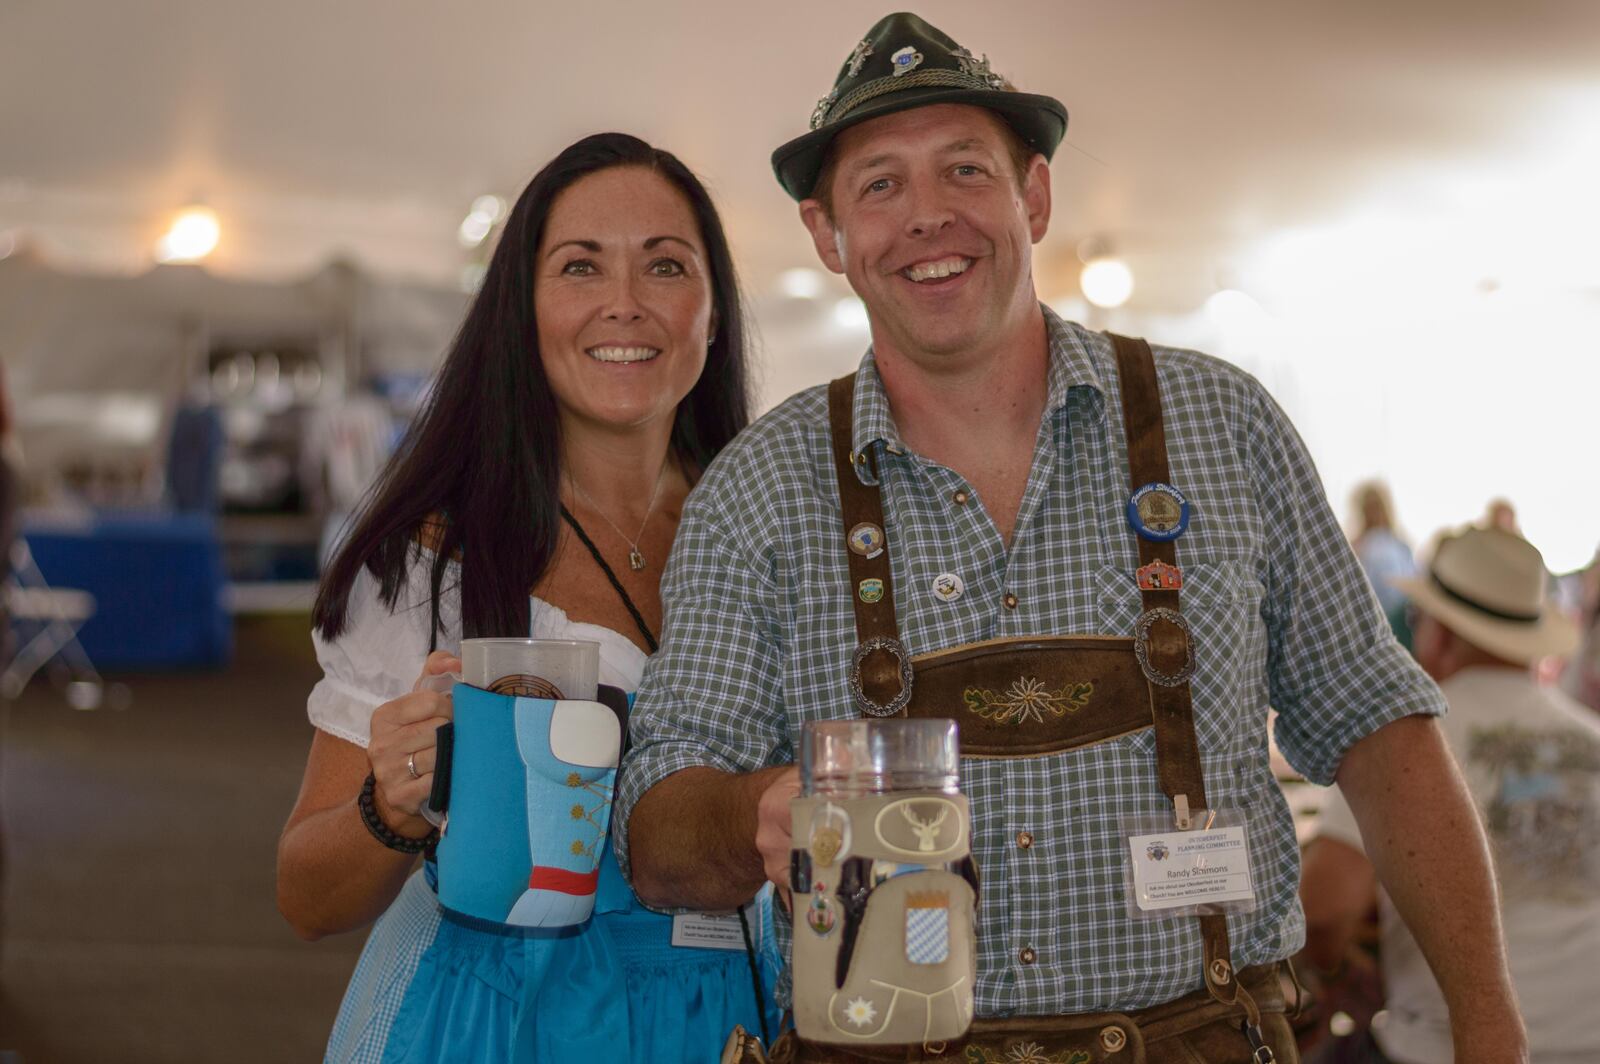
(855, 758)
(884, 885)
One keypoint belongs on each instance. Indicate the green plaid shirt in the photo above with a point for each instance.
(760, 629)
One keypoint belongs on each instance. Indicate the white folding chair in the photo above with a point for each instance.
(46, 621)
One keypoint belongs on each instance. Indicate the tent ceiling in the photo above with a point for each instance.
(369, 127)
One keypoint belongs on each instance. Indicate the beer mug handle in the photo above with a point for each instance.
(443, 682)
(434, 809)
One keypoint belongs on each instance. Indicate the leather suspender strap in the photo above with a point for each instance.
(1168, 646)
(1177, 750)
(881, 675)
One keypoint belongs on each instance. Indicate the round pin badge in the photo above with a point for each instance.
(1158, 512)
(866, 540)
(947, 587)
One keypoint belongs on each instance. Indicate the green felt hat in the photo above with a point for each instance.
(903, 63)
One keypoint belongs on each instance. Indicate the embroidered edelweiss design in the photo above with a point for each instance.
(1027, 700)
(1027, 1053)
(860, 1011)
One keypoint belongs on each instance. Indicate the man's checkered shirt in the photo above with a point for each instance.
(759, 632)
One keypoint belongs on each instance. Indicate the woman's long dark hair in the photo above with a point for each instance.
(480, 469)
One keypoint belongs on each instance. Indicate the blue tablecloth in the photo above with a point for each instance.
(158, 582)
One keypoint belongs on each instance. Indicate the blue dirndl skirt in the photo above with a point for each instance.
(430, 986)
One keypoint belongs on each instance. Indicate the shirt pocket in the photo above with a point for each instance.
(1221, 601)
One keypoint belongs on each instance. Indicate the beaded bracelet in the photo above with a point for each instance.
(383, 832)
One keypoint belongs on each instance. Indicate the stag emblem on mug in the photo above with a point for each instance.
(927, 831)
(921, 828)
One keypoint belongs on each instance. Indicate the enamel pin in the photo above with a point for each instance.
(821, 914)
(906, 60)
(1158, 512)
(947, 587)
(866, 540)
(1159, 576)
(870, 590)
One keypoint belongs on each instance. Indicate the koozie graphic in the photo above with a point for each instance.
(530, 804)
(928, 927)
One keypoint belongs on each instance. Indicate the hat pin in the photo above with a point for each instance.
(906, 60)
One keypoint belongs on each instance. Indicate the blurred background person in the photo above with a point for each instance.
(1581, 678)
(598, 371)
(1385, 557)
(10, 489)
(1502, 515)
(1531, 760)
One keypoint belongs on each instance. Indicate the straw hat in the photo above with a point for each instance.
(1488, 587)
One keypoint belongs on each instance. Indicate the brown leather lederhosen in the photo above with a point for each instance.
(1031, 696)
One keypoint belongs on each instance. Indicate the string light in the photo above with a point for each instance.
(193, 236)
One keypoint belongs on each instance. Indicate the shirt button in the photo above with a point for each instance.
(1025, 839)
(1010, 600)
(960, 497)
(1026, 955)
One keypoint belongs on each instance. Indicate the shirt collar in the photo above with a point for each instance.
(1075, 361)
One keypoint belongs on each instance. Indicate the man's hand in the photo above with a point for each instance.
(707, 839)
(773, 823)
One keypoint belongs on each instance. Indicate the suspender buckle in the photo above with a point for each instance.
(870, 706)
(1260, 1052)
(1165, 646)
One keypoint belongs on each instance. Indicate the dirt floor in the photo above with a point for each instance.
(138, 923)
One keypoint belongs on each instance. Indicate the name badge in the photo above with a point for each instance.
(705, 931)
(1186, 870)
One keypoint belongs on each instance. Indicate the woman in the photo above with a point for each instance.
(597, 372)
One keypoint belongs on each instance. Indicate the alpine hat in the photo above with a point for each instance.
(903, 62)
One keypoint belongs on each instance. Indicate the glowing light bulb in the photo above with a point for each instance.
(490, 206)
(850, 313)
(474, 229)
(1106, 283)
(193, 236)
(802, 282)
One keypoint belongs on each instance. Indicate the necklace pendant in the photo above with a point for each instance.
(635, 560)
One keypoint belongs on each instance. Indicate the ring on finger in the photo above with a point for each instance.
(411, 765)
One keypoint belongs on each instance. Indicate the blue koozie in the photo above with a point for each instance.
(529, 804)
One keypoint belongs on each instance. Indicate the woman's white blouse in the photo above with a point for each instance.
(380, 653)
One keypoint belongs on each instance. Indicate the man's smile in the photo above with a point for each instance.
(936, 269)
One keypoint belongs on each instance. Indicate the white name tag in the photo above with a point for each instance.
(1177, 869)
(702, 931)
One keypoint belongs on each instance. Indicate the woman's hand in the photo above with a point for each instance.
(402, 748)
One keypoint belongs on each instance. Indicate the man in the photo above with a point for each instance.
(996, 439)
(1532, 762)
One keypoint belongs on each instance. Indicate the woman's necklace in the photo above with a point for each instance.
(635, 558)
